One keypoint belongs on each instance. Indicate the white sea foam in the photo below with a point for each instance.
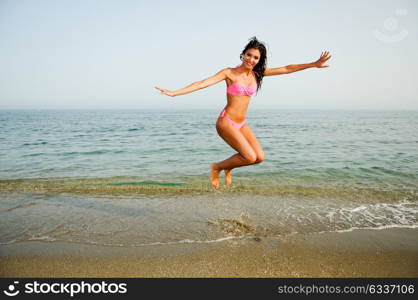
(294, 216)
(371, 228)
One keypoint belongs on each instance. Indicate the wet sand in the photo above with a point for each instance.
(359, 253)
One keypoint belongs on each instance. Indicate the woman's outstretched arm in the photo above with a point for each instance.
(320, 63)
(221, 75)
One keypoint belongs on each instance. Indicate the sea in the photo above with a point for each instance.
(133, 178)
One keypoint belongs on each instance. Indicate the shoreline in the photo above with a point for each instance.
(389, 252)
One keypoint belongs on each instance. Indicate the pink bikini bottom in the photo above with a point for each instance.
(235, 124)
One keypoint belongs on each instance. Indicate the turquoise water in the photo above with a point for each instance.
(380, 147)
(133, 178)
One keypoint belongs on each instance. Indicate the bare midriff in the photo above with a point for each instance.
(236, 107)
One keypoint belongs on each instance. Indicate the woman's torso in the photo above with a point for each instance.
(237, 105)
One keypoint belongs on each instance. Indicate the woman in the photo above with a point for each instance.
(242, 82)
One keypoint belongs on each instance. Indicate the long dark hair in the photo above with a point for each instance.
(262, 63)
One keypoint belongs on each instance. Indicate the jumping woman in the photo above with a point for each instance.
(242, 82)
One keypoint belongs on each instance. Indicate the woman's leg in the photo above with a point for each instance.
(252, 140)
(236, 139)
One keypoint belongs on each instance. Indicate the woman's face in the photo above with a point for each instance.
(251, 58)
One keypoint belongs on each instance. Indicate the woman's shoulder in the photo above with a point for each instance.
(227, 70)
(229, 73)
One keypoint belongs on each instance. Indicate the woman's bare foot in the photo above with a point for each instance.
(214, 175)
(228, 178)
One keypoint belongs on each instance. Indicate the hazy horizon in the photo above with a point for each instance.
(111, 54)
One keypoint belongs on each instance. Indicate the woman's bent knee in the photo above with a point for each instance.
(250, 158)
(260, 158)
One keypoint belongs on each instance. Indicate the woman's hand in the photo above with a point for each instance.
(320, 63)
(166, 92)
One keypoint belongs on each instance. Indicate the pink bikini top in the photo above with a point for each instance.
(238, 89)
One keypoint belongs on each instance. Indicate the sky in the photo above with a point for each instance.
(82, 54)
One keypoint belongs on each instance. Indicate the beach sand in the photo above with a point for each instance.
(359, 253)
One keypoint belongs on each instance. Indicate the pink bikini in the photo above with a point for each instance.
(238, 89)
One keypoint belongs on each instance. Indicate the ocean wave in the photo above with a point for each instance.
(35, 143)
(304, 219)
(24, 205)
(49, 239)
(263, 185)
